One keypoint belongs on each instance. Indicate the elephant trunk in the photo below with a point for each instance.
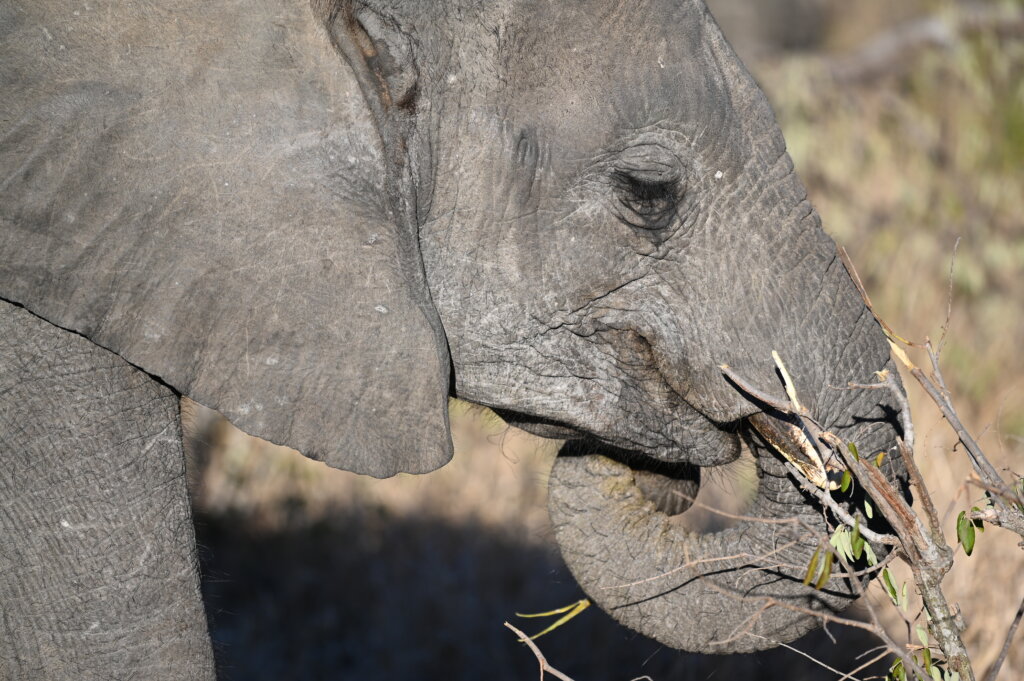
(737, 590)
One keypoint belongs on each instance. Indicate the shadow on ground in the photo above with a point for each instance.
(367, 596)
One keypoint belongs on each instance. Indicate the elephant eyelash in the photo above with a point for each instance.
(645, 204)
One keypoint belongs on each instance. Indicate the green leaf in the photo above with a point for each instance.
(826, 572)
(870, 553)
(853, 450)
(965, 532)
(890, 588)
(936, 673)
(841, 541)
(903, 597)
(856, 541)
(927, 659)
(922, 635)
(868, 510)
(812, 568)
(879, 459)
(847, 480)
(896, 671)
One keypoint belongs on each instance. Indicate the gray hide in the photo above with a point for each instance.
(98, 573)
(195, 186)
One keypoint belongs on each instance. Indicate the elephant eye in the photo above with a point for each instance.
(643, 202)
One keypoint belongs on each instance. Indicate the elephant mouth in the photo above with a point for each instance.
(615, 517)
(785, 434)
(689, 437)
(672, 485)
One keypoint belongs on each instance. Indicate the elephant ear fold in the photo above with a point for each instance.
(215, 208)
(381, 56)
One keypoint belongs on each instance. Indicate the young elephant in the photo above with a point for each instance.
(323, 219)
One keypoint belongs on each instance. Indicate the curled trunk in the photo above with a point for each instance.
(737, 590)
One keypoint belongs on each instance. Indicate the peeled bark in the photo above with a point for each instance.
(737, 590)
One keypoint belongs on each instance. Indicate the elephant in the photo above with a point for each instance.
(324, 218)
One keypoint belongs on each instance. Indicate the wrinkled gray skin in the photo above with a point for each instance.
(576, 211)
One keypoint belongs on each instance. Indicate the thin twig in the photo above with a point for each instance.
(977, 482)
(844, 257)
(704, 561)
(917, 480)
(993, 671)
(1009, 517)
(876, 658)
(908, 661)
(792, 520)
(949, 298)
(807, 655)
(825, 498)
(541, 660)
(759, 395)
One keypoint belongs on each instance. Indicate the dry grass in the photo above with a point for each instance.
(425, 569)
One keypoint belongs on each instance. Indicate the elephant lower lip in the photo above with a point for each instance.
(689, 437)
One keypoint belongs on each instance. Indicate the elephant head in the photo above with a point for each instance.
(573, 212)
(607, 215)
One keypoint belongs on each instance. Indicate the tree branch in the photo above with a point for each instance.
(993, 671)
(541, 660)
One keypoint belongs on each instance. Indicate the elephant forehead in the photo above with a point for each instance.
(589, 77)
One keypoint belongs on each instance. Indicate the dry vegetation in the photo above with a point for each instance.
(314, 573)
(900, 168)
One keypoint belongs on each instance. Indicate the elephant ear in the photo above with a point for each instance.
(201, 188)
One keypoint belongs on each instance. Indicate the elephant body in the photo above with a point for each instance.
(323, 218)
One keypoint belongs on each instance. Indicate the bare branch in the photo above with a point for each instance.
(924, 494)
(808, 656)
(876, 658)
(844, 257)
(993, 671)
(1009, 516)
(757, 394)
(541, 660)
(826, 499)
(949, 297)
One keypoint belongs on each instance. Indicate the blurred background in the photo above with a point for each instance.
(906, 122)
